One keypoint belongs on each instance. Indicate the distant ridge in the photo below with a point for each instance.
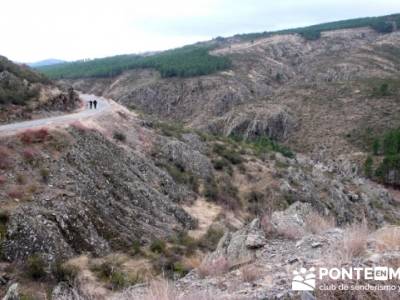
(46, 62)
(195, 60)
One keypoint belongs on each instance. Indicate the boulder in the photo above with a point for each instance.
(188, 158)
(240, 247)
(293, 217)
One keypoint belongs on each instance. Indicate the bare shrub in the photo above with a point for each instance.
(119, 136)
(250, 273)
(45, 174)
(79, 126)
(20, 178)
(2, 179)
(15, 192)
(31, 136)
(267, 225)
(354, 241)
(191, 262)
(5, 158)
(315, 223)
(215, 267)
(59, 141)
(30, 155)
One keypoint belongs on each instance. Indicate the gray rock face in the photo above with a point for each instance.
(294, 216)
(348, 198)
(108, 198)
(254, 121)
(194, 141)
(64, 292)
(185, 156)
(239, 247)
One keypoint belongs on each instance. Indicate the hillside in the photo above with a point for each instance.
(283, 154)
(23, 90)
(281, 83)
(194, 60)
(86, 208)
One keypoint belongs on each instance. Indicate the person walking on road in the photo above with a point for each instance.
(95, 104)
(90, 104)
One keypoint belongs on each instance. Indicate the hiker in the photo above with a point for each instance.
(90, 104)
(95, 104)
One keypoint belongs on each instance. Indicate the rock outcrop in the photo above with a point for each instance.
(240, 247)
(250, 122)
(102, 203)
(187, 157)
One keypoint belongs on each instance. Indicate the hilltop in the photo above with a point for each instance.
(46, 62)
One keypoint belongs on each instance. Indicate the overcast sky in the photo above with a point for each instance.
(75, 29)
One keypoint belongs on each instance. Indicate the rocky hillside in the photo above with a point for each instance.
(318, 96)
(91, 203)
(25, 94)
(210, 187)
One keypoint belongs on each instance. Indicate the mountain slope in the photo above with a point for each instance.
(295, 85)
(194, 60)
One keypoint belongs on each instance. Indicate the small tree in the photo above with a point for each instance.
(376, 146)
(384, 89)
(368, 166)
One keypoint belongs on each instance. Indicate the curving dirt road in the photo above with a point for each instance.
(103, 105)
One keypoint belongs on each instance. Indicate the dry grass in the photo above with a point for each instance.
(266, 225)
(215, 267)
(354, 241)
(250, 273)
(16, 192)
(165, 290)
(316, 224)
(31, 136)
(191, 263)
(388, 238)
(290, 232)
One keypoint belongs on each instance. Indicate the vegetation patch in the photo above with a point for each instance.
(119, 136)
(384, 162)
(111, 271)
(384, 24)
(210, 240)
(35, 266)
(188, 61)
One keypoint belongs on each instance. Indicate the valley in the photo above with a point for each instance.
(201, 180)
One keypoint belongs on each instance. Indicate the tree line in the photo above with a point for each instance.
(384, 24)
(187, 61)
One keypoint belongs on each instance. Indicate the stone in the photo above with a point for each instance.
(12, 292)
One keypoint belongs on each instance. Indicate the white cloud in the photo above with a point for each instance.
(74, 29)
